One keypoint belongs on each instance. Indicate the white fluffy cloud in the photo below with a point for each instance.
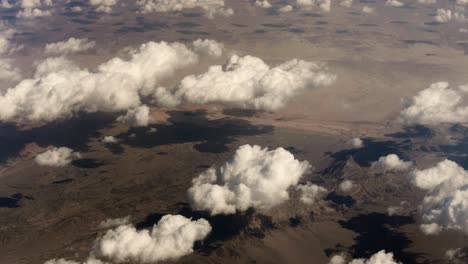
(356, 143)
(263, 3)
(138, 117)
(447, 15)
(380, 257)
(34, 8)
(211, 8)
(392, 162)
(436, 104)
(64, 261)
(103, 6)
(311, 193)
(109, 139)
(171, 238)
(56, 157)
(62, 89)
(324, 5)
(248, 82)
(346, 186)
(255, 177)
(394, 3)
(446, 204)
(208, 47)
(72, 45)
(8, 72)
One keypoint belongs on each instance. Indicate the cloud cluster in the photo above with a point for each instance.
(254, 178)
(447, 15)
(34, 8)
(324, 5)
(8, 72)
(56, 157)
(311, 193)
(103, 6)
(138, 117)
(380, 257)
(61, 88)
(65, 261)
(392, 162)
(211, 8)
(263, 3)
(72, 45)
(208, 47)
(171, 238)
(248, 82)
(436, 104)
(446, 204)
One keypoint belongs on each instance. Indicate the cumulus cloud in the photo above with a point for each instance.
(436, 104)
(447, 15)
(109, 223)
(446, 204)
(171, 238)
(311, 193)
(72, 45)
(324, 5)
(33, 8)
(103, 6)
(394, 3)
(248, 82)
(116, 85)
(356, 143)
(211, 8)
(109, 139)
(208, 47)
(8, 72)
(56, 157)
(138, 117)
(255, 177)
(263, 3)
(380, 257)
(392, 162)
(346, 186)
(64, 261)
